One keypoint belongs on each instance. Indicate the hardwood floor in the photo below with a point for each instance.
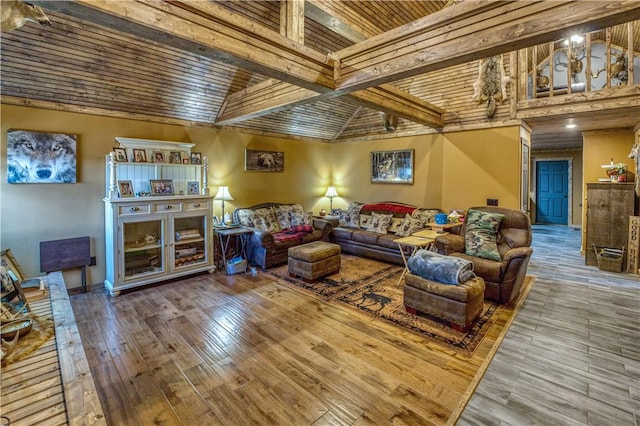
(247, 350)
(572, 355)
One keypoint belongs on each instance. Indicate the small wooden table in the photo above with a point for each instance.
(414, 242)
(444, 227)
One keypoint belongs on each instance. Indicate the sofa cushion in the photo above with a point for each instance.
(266, 220)
(388, 241)
(245, 217)
(379, 223)
(342, 233)
(480, 235)
(409, 225)
(396, 209)
(301, 218)
(366, 237)
(353, 215)
(283, 213)
(426, 215)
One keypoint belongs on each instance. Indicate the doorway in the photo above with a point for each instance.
(552, 192)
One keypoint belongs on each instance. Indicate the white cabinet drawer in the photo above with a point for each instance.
(133, 209)
(166, 207)
(195, 205)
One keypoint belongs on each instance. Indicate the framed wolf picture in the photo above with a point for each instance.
(39, 157)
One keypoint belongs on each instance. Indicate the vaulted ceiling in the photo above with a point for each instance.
(319, 69)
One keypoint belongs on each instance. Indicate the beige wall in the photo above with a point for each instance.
(600, 148)
(457, 170)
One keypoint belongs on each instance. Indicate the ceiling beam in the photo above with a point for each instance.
(209, 30)
(273, 96)
(292, 19)
(316, 12)
(470, 31)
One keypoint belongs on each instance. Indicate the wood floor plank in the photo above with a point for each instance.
(242, 350)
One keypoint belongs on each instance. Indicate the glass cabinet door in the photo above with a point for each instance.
(190, 245)
(143, 248)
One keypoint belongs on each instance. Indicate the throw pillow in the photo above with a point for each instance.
(365, 220)
(342, 215)
(298, 218)
(425, 215)
(480, 239)
(353, 213)
(266, 220)
(283, 213)
(409, 225)
(379, 223)
(245, 217)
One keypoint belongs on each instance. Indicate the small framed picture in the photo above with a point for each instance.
(193, 188)
(158, 156)
(185, 160)
(125, 188)
(196, 158)
(121, 154)
(139, 155)
(161, 186)
(175, 157)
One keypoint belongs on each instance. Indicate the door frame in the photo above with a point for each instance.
(534, 190)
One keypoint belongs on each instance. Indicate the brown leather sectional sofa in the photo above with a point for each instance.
(354, 234)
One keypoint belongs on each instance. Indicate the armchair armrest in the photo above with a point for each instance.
(515, 253)
(450, 243)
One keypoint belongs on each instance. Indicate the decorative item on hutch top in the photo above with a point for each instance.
(163, 232)
(392, 166)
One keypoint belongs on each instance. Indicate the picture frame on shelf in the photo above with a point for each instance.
(263, 161)
(185, 160)
(392, 166)
(139, 155)
(175, 157)
(196, 158)
(125, 189)
(158, 156)
(121, 155)
(161, 186)
(193, 188)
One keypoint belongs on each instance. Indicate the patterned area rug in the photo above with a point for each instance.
(371, 286)
(353, 272)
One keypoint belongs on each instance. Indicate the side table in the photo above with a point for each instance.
(333, 220)
(239, 235)
(449, 227)
(414, 243)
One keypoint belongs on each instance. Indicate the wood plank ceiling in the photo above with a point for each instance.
(79, 65)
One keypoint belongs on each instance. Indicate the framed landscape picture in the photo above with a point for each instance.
(392, 166)
(263, 161)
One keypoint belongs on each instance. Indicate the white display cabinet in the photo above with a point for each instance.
(152, 238)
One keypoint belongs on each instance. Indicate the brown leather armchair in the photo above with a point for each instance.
(503, 279)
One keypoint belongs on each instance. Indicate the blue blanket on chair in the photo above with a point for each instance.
(438, 267)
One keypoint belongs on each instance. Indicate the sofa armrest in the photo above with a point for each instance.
(450, 243)
(261, 238)
(323, 225)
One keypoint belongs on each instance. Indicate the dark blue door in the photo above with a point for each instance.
(551, 192)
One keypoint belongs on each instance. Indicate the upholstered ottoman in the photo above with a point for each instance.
(458, 305)
(314, 260)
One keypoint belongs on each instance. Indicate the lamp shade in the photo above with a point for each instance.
(223, 194)
(331, 192)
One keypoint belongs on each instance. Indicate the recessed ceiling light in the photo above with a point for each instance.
(571, 126)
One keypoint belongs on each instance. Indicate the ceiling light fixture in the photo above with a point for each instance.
(571, 126)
